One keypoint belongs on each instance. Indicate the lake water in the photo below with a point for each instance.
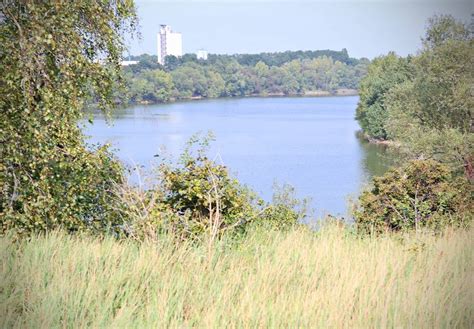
(310, 143)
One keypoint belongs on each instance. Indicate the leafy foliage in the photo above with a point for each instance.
(269, 59)
(432, 115)
(429, 110)
(383, 74)
(285, 210)
(152, 86)
(281, 58)
(54, 57)
(204, 195)
(194, 80)
(421, 194)
(442, 29)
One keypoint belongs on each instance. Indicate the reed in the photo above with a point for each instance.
(297, 278)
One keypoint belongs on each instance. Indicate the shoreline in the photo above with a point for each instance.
(375, 141)
(315, 94)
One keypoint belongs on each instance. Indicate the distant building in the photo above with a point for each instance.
(127, 63)
(169, 43)
(201, 54)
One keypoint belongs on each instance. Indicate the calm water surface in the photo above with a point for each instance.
(310, 143)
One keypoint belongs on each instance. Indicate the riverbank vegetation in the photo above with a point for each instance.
(422, 194)
(81, 247)
(323, 72)
(424, 103)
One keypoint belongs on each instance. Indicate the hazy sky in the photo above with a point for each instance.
(365, 28)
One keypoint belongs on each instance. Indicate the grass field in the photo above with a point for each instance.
(271, 279)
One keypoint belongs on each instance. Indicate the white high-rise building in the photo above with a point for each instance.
(201, 54)
(169, 43)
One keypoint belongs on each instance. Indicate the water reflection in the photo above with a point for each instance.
(377, 157)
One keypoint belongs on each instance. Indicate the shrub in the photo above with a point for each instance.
(423, 193)
(193, 197)
(198, 197)
(285, 210)
(71, 191)
(205, 196)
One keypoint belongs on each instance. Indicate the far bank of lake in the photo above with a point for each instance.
(309, 93)
(308, 142)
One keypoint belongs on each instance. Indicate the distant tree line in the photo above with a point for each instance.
(285, 73)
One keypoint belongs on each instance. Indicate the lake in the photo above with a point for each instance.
(309, 143)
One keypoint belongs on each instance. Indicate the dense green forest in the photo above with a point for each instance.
(284, 73)
(424, 103)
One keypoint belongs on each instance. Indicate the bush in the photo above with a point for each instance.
(198, 198)
(192, 198)
(205, 196)
(72, 191)
(423, 193)
(285, 210)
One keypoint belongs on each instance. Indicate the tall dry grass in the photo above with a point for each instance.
(271, 279)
